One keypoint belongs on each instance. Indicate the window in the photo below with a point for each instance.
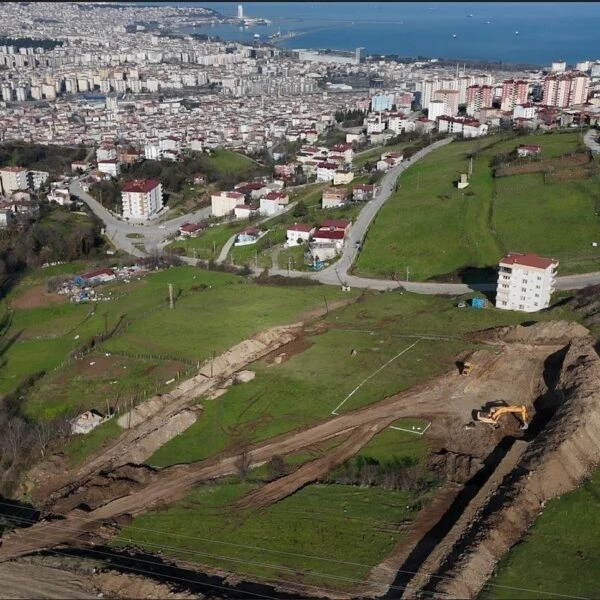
(505, 285)
(522, 298)
(537, 295)
(535, 304)
(524, 280)
(539, 278)
(503, 302)
(521, 307)
(537, 287)
(523, 290)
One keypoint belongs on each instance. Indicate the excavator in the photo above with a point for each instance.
(494, 414)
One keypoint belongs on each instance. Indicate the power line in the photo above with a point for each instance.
(317, 558)
(228, 559)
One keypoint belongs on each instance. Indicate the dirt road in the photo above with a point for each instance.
(37, 582)
(449, 398)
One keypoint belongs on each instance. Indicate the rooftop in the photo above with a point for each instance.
(528, 260)
(141, 186)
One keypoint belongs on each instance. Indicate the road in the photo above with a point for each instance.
(117, 230)
(154, 234)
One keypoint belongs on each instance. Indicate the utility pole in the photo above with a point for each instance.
(288, 264)
(212, 362)
(326, 305)
(105, 324)
(170, 295)
(418, 179)
(214, 248)
(470, 167)
(256, 259)
(407, 273)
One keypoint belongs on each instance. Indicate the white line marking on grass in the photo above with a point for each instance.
(417, 432)
(335, 410)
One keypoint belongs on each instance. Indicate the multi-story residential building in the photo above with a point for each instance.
(525, 282)
(513, 92)
(326, 171)
(13, 179)
(567, 89)
(468, 127)
(437, 108)
(141, 198)
(525, 111)
(223, 203)
(479, 97)
(35, 179)
(382, 102)
(450, 100)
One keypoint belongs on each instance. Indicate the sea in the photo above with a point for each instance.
(534, 33)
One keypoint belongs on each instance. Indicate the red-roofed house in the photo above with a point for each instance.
(336, 225)
(525, 282)
(345, 150)
(299, 233)
(335, 197)
(528, 150)
(141, 198)
(190, 229)
(245, 211)
(363, 191)
(326, 171)
(273, 202)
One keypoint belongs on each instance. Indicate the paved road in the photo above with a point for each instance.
(155, 234)
(152, 232)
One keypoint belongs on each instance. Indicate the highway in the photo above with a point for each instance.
(155, 234)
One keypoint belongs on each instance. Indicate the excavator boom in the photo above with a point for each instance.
(493, 416)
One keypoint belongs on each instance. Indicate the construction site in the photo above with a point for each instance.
(511, 427)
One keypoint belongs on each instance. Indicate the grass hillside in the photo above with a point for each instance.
(436, 230)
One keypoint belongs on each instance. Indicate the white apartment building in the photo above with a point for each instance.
(13, 178)
(525, 282)
(224, 203)
(142, 198)
(37, 178)
(106, 153)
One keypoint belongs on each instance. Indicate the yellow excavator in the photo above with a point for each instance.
(494, 414)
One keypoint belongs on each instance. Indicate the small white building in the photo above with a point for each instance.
(224, 203)
(110, 167)
(106, 153)
(36, 179)
(246, 211)
(525, 282)
(141, 198)
(299, 233)
(343, 177)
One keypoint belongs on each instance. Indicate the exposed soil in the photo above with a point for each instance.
(568, 163)
(37, 297)
(496, 480)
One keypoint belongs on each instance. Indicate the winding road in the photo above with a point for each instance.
(152, 235)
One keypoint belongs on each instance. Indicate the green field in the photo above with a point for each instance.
(226, 161)
(325, 535)
(153, 344)
(434, 229)
(559, 554)
(294, 393)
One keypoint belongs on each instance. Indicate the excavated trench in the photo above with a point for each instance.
(545, 408)
(180, 579)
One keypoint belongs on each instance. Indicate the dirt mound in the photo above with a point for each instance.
(587, 302)
(119, 585)
(551, 333)
(454, 467)
(94, 492)
(563, 454)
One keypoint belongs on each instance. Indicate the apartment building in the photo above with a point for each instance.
(13, 179)
(525, 282)
(479, 97)
(449, 98)
(141, 198)
(513, 93)
(567, 89)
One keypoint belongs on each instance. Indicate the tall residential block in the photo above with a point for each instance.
(525, 282)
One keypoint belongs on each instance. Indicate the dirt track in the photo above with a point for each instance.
(524, 371)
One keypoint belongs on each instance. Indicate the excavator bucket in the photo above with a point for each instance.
(524, 426)
(485, 418)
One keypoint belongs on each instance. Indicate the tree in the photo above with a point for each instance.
(276, 467)
(300, 210)
(242, 465)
